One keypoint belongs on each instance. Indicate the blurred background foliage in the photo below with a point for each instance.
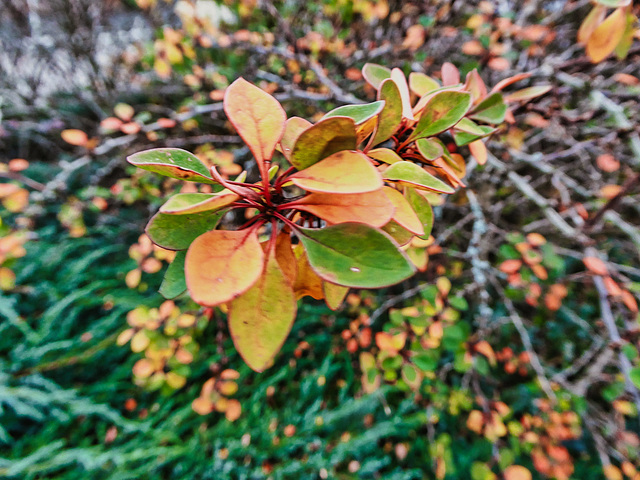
(513, 355)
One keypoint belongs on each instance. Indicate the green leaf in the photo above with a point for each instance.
(443, 111)
(414, 176)
(467, 131)
(391, 115)
(423, 210)
(425, 362)
(176, 232)
(491, 110)
(174, 163)
(401, 235)
(261, 318)
(355, 255)
(635, 376)
(325, 138)
(358, 113)
(429, 148)
(184, 203)
(385, 155)
(174, 283)
(375, 74)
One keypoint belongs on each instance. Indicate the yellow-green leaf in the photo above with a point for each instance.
(391, 115)
(410, 174)
(442, 112)
(184, 203)
(261, 318)
(172, 162)
(323, 139)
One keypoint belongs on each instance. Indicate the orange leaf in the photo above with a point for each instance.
(221, 265)
(292, 130)
(606, 36)
(630, 301)
(75, 137)
(475, 421)
(343, 172)
(607, 163)
(285, 256)
(479, 151)
(510, 266)
(612, 287)
(595, 266)
(257, 116)
(485, 349)
(450, 74)
(590, 23)
(372, 208)
(517, 472)
(404, 215)
(391, 343)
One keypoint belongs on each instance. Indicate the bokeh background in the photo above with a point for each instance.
(526, 305)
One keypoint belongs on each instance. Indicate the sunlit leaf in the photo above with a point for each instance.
(261, 318)
(391, 115)
(491, 110)
(174, 283)
(183, 203)
(372, 208)
(222, 265)
(385, 155)
(355, 255)
(375, 74)
(358, 113)
(410, 174)
(401, 82)
(258, 117)
(442, 112)
(479, 151)
(475, 85)
(343, 172)
(176, 232)
(421, 84)
(172, 162)
(404, 214)
(322, 140)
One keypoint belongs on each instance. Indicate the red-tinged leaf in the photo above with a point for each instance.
(257, 116)
(391, 344)
(399, 234)
(502, 84)
(421, 84)
(307, 283)
(606, 36)
(221, 265)
(184, 203)
(401, 82)
(375, 74)
(630, 302)
(174, 163)
(75, 137)
(485, 349)
(322, 140)
(334, 294)
(407, 173)
(479, 151)
(391, 115)
(261, 318)
(343, 172)
(450, 74)
(517, 472)
(442, 112)
(527, 94)
(372, 208)
(590, 23)
(292, 130)
(476, 86)
(384, 155)
(596, 266)
(404, 214)
(355, 255)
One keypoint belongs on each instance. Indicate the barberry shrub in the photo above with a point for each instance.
(342, 206)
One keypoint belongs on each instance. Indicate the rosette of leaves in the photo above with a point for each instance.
(340, 216)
